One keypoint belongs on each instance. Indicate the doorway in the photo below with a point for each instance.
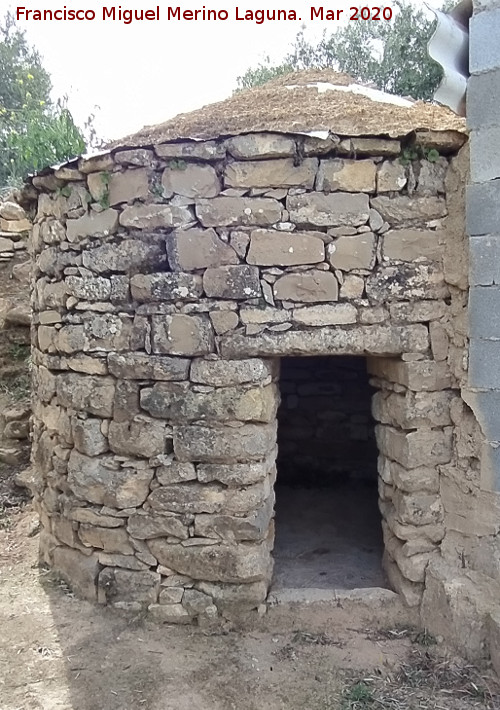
(328, 525)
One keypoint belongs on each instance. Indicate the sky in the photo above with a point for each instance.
(145, 72)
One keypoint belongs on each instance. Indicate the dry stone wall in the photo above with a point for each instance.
(168, 283)
(15, 319)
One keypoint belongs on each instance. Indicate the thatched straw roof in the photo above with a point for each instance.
(303, 102)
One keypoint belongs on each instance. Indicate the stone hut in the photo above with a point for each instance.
(287, 266)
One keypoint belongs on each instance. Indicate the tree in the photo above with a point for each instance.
(390, 54)
(34, 131)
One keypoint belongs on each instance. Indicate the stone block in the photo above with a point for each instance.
(273, 248)
(107, 332)
(271, 173)
(456, 605)
(432, 177)
(347, 176)
(236, 474)
(107, 539)
(338, 314)
(11, 210)
(193, 498)
(483, 364)
(101, 481)
(375, 146)
(482, 104)
(193, 180)
(166, 287)
(352, 288)
(261, 145)
(216, 563)
(155, 216)
(88, 436)
(485, 154)
(138, 366)
(418, 508)
(412, 244)
(6, 245)
(224, 321)
(78, 570)
(391, 177)
(224, 404)
(126, 402)
(232, 282)
(119, 585)
(127, 186)
(142, 157)
(193, 249)
(307, 287)
(484, 51)
(226, 373)
(424, 447)
(402, 210)
(235, 598)
(372, 340)
(169, 613)
(86, 393)
(129, 255)
(356, 252)
(410, 591)
(483, 208)
(174, 472)
(407, 282)
(422, 376)
(88, 288)
(92, 224)
(146, 526)
(260, 316)
(200, 150)
(238, 211)
(414, 409)
(142, 437)
(333, 210)
(224, 444)
(415, 480)
(484, 261)
(417, 312)
(253, 527)
(182, 335)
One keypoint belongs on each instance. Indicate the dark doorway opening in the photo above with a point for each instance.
(328, 526)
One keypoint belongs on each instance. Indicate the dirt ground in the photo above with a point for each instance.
(59, 653)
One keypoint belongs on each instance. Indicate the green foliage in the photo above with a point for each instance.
(262, 73)
(358, 696)
(416, 152)
(392, 55)
(104, 199)
(177, 165)
(34, 132)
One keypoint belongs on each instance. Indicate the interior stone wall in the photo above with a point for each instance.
(169, 281)
(326, 434)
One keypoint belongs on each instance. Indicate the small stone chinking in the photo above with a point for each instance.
(168, 281)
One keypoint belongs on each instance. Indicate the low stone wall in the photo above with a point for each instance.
(169, 282)
(15, 319)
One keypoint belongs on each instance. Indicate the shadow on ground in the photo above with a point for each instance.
(59, 653)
